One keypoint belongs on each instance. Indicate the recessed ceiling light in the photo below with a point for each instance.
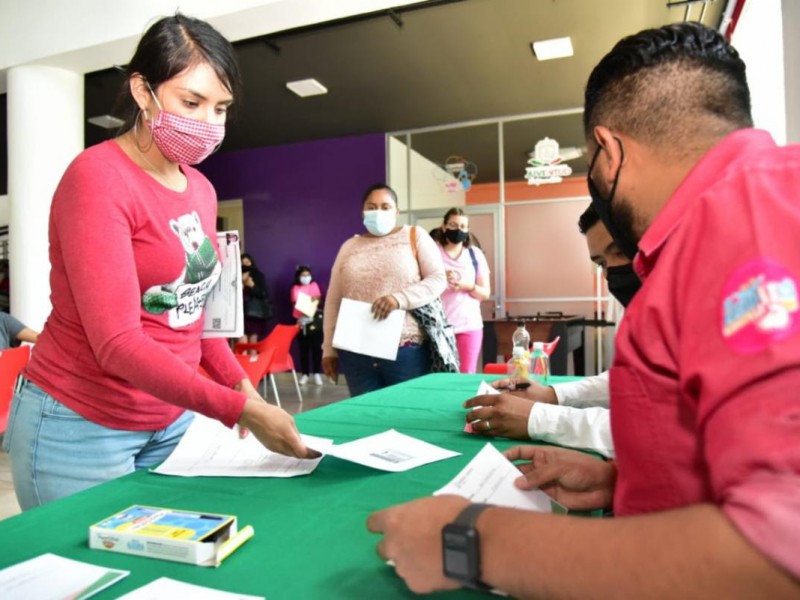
(307, 87)
(107, 122)
(555, 48)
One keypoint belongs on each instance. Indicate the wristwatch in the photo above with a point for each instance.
(461, 548)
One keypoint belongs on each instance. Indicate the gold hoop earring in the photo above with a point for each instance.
(142, 113)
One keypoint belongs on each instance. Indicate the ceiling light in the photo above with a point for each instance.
(107, 122)
(307, 87)
(555, 48)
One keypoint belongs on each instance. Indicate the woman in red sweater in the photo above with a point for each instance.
(114, 378)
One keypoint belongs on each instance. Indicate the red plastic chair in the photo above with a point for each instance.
(257, 368)
(280, 339)
(12, 361)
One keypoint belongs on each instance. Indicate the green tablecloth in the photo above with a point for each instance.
(311, 540)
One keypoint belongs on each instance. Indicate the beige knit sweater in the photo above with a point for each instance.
(368, 267)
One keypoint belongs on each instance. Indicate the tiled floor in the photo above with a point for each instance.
(313, 397)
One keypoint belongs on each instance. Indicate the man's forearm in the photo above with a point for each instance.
(688, 553)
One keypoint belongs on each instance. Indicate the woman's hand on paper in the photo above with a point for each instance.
(504, 415)
(412, 540)
(575, 479)
(383, 306)
(274, 428)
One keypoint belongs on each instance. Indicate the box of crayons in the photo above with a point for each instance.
(183, 536)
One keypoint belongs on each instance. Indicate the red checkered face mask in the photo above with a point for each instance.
(183, 140)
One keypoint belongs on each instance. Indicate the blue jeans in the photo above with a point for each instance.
(55, 452)
(367, 373)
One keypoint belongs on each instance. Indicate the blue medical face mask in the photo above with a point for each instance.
(380, 222)
(305, 279)
(618, 218)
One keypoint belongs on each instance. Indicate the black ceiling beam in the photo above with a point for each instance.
(272, 45)
(394, 16)
(687, 2)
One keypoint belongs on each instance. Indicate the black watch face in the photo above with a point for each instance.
(460, 552)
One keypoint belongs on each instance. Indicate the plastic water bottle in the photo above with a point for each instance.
(521, 338)
(540, 363)
(519, 363)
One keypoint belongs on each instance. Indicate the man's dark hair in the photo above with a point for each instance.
(665, 84)
(377, 187)
(588, 219)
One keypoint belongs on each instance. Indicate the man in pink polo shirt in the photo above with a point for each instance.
(705, 412)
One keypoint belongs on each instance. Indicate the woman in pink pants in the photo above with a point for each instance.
(467, 284)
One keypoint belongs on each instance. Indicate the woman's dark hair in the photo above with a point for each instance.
(168, 48)
(377, 187)
(252, 266)
(301, 269)
(438, 235)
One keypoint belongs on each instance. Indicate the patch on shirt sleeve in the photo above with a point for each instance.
(759, 306)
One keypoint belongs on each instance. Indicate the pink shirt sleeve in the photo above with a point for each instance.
(431, 268)
(333, 300)
(98, 259)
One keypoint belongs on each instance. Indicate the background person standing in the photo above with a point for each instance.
(468, 285)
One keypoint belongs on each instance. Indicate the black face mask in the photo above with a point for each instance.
(619, 223)
(456, 236)
(623, 283)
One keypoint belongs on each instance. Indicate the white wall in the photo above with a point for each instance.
(89, 35)
(759, 39)
(427, 182)
(791, 48)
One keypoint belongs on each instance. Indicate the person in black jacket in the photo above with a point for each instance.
(257, 305)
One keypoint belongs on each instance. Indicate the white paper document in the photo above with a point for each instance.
(306, 304)
(358, 331)
(389, 451)
(483, 389)
(165, 588)
(209, 449)
(52, 576)
(489, 479)
(224, 309)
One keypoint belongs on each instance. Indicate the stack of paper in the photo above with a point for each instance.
(52, 576)
(209, 449)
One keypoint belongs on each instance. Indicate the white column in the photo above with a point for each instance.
(45, 132)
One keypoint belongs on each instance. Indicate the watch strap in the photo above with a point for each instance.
(467, 518)
(469, 515)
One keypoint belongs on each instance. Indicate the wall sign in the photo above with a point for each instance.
(546, 164)
(462, 171)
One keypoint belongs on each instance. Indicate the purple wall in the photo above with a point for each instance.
(301, 201)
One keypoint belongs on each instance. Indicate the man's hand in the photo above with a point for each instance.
(412, 540)
(501, 414)
(572, 478)
(383, 306)
(535, 392)
(274, 428)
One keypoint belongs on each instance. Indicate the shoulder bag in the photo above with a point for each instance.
(432, 319)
